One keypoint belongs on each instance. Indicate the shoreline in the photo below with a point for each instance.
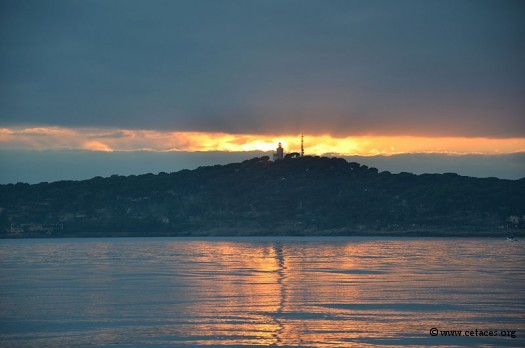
(228, 233)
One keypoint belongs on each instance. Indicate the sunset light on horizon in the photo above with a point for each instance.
(320, 173)
(109, 140)
(426, 86)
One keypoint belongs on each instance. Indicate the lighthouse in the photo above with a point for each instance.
(279, 153)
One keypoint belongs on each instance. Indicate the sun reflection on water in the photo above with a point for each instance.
(285, 293)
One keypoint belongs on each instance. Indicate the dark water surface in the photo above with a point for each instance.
(318, 292)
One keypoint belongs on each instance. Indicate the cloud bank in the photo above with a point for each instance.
(405, 68)
(109, 140)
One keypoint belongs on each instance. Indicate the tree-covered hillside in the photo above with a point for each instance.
(300, 196)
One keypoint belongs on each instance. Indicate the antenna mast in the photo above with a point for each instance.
(302, 145)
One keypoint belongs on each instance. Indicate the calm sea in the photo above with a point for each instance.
(297, 292)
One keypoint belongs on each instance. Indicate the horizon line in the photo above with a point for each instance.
(129, 140)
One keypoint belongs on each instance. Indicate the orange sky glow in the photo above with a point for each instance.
(96, 139)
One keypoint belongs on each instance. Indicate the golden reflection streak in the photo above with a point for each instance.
(346, 293)
(100, 139)
(266, 286)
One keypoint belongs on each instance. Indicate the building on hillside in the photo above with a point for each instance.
(292, 155)
(279, 153)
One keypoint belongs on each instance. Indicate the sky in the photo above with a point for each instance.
(358, 78)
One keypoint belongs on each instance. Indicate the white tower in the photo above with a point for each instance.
(279, 153)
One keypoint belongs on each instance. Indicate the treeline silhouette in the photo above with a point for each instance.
(296, 196)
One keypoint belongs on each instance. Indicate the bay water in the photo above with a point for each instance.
(275, 291)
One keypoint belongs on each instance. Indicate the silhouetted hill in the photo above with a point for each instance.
(302, 196)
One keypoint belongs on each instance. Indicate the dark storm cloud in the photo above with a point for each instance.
(342, 67)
